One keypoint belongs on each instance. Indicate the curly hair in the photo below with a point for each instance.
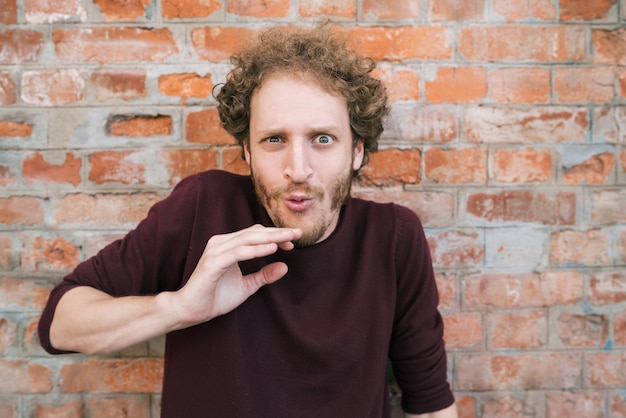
(321, 53)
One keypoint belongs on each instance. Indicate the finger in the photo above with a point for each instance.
(267, 275)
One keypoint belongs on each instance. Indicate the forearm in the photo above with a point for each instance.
(449, 412)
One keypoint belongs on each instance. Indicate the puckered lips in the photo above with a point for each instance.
(298, 202)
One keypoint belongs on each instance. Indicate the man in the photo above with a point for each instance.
(280, 295)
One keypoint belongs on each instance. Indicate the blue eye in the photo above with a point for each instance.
(324, 139)
(273, 139)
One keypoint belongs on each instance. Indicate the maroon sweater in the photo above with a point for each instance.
(313, 344)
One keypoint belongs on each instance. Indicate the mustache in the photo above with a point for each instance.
(314, 192)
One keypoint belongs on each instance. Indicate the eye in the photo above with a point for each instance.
(324, 139)
(273, 139)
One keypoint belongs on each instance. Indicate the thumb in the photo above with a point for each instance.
(267, 275)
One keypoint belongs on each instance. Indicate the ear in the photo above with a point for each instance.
(357, 155)
(246, 151)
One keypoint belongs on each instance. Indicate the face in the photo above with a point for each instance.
(301, 154)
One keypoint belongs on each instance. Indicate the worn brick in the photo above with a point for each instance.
(186, 85)
(417, 123)
(585, 10)
(607, 287)
(114, 44)
(463, 330)
(525, 165)
(183, 163)
(30, 339)
(233, 162)
(177, 9)
(259, 8)
(402, 83)
(23, 294)
(465, 165)
(621, 77)
(139, 125)
(54, 254)
(455, 249)
(520, 330)
(72, 409)
(116, 166)
(609, 46)
(621, 246)
(8, 408)
(526, 251)
(336, 8)
(21, 210)
(453, 10)
(584, 85)
(139, 375)
(8, 334)
(126, 406)
(514, 10)
(52, 87)
(617, 406)
(562, 287)
(6, 252)
(8, 12)
(503, 291)
(22, 376)
(44, 11)
(108, 209)
(20, 46)
(8, 94)
(498, 406)
(16, 129)
(457, 85)
(606, 124)
(605, 370)
(520, 85)
(574, 405)
(7, 177)
(125, 84)
(588, 248)
(122, 9)
(205, 127)
(48, 168)
(607, 206)
(583, 330)
(619, 328)
(218, 44)
(447, 289)
(376, 10)
(594, 170)
(392, 166)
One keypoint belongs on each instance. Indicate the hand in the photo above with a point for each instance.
(217, 285)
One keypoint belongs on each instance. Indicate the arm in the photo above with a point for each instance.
(90, 321)
(449, 412)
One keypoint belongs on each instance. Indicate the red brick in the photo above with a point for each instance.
(402, 43)
(52, 87)
(590, 248)
(447, 289)
(6, 253)
(519, 372)
(521, 165)
(466, 407)
(376, 10)
(402, 84)
(65, 410)
(8, 334)
(30, 339)
(609, 46)
(124, 84)
(7, 89)
(205, 127)
(259, 8)
(520, 85)
(453, 10)
(594, 170)
(562, 287)
(55, 254)
(15, 129)
(122, 9)
(417, 123)
(8, 407)
(20, 46)
(583, 330)
(619, 328)
(233, 162)
(174, 9)
(541, 43)
(514, 10)
(392, 167)
(7, 177)
(617, 406)
(104, 209)
(183, 163)
(111, 44)
(43, 11)
(36, 169)
(503, 291)
(585, 10)
(139, 375)
(21, 210)
(467, 165)
(463, 330)
(115, 166)
(518, 329)
(457, 85)
(621, 246)
(607, 206)
(524, 206)
(218, 44)
(605, 124)
(104, 407)
(605, 370)
(535, 125)
(583, 85)
(453, 248)
(510, 406)
(621, 77)
(335, 8)
(607, 288)
(186, 85)
(574, 405)
(21, 376)
(139, 125)
(8, 16)
(622, 159)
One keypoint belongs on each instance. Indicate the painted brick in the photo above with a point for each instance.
(605, 369)
(519, 372)
(453, 248)
(122, 9)
(607, 206)
(588, 248)
(402, 83)
(457, 85)
(115, 166)
(66, 410)
(619, 330)
(183, 163)
(186, 85)
(376, 10)
(110, 209)
(8, 12)
(7, 89)
(609, 46)
(607, 287)
(541, 43)
(522, 330)
(594, 170)
(510, 406)
(391, 167)
(21, 376)
(6, 253)
(52, 87)
(453, 10)
(101, 407)
(217, 44)
(54, 254)
(525, 165)
(524, 206)
(21, 210)
(535, 125)
(513, 10)
(15, 129)
(8, 333)
(583, 330)
(259, 8)
(139, 125)
(467, 165)
(113, 44)
(336, 8)
(205, 127)
(24, 294)
(584, 85)
(127, 84)
(139, 375)
(416, 123)
(520, 85)
(43, 11)
(232, 161)
(585, 10)
(176, 9)
(463, 330)
(37, 169)
(574, 405)
(20, 46)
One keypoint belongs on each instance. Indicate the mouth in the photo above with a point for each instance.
(298, 203)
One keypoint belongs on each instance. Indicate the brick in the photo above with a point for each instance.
(605, 370)
(15, 129)
(583, 330)
(466, 406)
(525, 165)
(20, 46)
(233, 162)
(619, 328)
(520, 85)
(512, 291)
(463, 330)
(514, 10)
(455, 249)
(139, 375)
(8, 14)
(55, 254)
(121, 406)
(7, 177)
(126, 84)
(103, 209)
(416, 123)
(606, 124)
(30, 339)
(584, 85)
(541, 43)
(392, 167)
(607, 206)
(52, 87)
(205, 127)
(534, 125)
(562, 287)
(21, 210)
(585, 10)
(376, 10)
(621, 77)
(509, 406)
(520, 330)
(402, 84)
(139, 125)
(122, 9)
(186, 85)
(402, 43)
(7, 89)
(574, 405)
(617, 404)
(524, 252)
(621, 246)
(6, 253)
(452, 10)
(609, 46)
(37, 169)
(607, 288)
(524, 206)
(259, 8)
(216, 44)
(180, 9)
(21, 376)
(314, 8)
(8, 408)
(183, 163)
(466, 165)
(594, 170)
(65, 410)
(8, 333)
(519, 372)
(115, 166)
(587, 248)
(43, 11)
(111, 44)
(446, 286)
(457, 85)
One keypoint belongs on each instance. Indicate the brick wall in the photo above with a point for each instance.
(507, 136)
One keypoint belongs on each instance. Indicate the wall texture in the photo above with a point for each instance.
(507, 136)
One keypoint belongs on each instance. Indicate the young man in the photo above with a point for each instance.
(280, 295)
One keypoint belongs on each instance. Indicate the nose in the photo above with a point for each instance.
(297, 166)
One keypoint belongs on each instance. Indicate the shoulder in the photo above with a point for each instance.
(387, 214)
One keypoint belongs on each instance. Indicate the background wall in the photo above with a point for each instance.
(507, 136)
